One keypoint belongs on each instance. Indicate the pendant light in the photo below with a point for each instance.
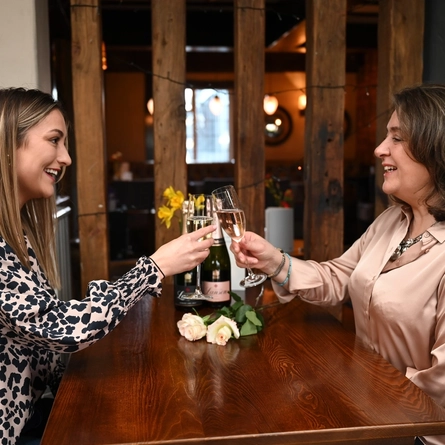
(215, 105)
(270, 104)
(150, 106)
(301, 104)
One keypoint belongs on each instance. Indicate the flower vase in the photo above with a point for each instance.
(279, 229)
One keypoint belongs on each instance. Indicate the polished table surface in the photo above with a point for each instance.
(303, 380)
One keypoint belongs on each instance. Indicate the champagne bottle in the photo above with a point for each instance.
(185, 282)
(215, 270)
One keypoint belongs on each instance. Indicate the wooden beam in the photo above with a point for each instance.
(168, 24)
(249, 114)
(86, 38)
(325, 80)
(400, 58)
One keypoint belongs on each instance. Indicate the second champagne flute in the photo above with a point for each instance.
(233, 221)
(199, 216)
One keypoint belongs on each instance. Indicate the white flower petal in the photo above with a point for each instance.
(221, 330)
(192, 327)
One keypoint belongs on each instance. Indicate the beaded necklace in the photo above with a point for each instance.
(404, 245)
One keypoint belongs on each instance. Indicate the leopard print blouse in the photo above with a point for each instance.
(36, 328)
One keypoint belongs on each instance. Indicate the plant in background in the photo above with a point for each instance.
(282, 198)
(235, 321)
(173, 202)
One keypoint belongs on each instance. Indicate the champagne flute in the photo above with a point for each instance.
(233, 220)
(199, 215)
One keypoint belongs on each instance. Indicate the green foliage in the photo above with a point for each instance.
(249, 320)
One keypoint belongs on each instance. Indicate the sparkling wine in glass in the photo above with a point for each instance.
(233, 220)
(199, 215)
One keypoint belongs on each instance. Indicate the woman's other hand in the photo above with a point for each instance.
(254, 251)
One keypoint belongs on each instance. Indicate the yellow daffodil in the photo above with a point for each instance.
(173, 201)
(165, 214)
(199, 202)
(169, 192)
(176, 200)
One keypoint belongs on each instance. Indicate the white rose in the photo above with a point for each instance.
(221, 330)
(192, 327)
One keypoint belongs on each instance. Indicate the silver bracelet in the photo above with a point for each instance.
(283, 259)
(288, 272)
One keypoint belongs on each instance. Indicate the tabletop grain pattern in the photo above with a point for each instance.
(304, 379)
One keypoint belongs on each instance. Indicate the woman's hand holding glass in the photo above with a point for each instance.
(186, 251)
(233, 221)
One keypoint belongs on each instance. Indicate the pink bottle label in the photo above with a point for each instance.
(219, 290)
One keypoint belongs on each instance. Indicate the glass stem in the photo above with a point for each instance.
(198, 278)
(249, 271)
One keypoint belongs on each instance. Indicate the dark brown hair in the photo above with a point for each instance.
(421, 113)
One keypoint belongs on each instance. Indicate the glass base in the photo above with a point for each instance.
(187, 304)
(253, 280)
(193, 296)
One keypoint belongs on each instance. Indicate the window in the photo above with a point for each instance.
(207, 126)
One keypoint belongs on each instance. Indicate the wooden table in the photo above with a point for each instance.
(303, 380)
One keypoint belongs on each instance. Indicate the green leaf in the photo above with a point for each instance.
(236, 297)
(251, 316)
(236, 306)
(206, 318)
(211, 318)
(240, 316)
(225, 311)
(261, 318)
(248, 328)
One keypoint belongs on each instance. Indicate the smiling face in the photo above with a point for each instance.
(40, 159)
(404, 177)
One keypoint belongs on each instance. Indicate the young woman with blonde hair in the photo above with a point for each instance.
(35, 326)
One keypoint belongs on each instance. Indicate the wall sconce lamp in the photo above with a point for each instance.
(215, 105)
(302, 101)
(270, 104)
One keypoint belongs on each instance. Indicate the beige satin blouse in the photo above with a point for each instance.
(399, 307)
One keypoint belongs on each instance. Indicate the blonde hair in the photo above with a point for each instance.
(20, 110)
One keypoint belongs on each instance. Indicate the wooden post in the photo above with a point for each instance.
(249, 114)
(400, 59)
(86, 37)
(170, 169)
(325, 81)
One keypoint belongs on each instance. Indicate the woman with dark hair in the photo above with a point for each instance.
(35, 326)
(394, 274)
